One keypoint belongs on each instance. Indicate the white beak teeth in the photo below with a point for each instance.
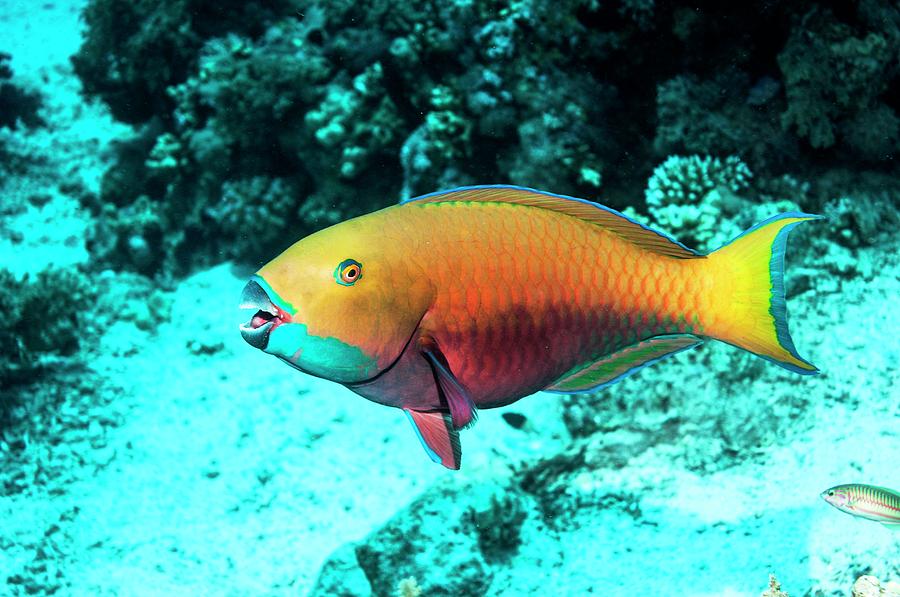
(255, 298)
(256, 337)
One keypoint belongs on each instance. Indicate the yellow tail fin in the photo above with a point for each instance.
(750, 310)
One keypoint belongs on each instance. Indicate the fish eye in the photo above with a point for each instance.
(348, 272)
(830, 492)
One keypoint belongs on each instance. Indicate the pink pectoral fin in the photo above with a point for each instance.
(461, 406)
(438, 437)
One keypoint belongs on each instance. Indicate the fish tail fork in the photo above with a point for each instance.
(748, 309)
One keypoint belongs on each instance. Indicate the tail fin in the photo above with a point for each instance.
(750, 308)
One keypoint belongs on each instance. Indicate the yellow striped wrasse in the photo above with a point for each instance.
(867, 501)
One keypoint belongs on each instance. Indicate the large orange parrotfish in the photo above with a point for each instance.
(476, 297)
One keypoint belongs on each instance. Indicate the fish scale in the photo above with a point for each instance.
(539, 290)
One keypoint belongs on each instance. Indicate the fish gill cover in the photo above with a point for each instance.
(242, 126)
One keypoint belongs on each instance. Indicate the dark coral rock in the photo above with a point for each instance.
(133, 51)
(354, 105)
(43, 316)
(836, 75)
(341, 576)
(729, 114)
(433, 540)
(17, 105)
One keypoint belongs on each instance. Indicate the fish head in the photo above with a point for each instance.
(839, 497)
(341, 304)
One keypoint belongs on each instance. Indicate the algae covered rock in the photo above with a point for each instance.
(443, 543)
(133, 51)
(869, 586)
(19, 108)
(433, 541)
(341, 576)
(43, 318)
(836, 75)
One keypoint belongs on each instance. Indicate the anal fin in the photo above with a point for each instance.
(438, 437)
(612, 368)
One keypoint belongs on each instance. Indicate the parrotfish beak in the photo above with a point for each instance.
(268, 315)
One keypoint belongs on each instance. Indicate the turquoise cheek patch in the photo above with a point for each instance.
(328, 358)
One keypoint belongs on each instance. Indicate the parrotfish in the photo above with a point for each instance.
(867, 501)
(473, 298)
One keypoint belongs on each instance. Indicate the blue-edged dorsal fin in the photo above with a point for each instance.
(610, 369)
(438, 437)
(607, 218)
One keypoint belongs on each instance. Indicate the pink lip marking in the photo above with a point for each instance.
(263, 317)
(296, 356)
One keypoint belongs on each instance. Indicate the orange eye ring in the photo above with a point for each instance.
(348, 272)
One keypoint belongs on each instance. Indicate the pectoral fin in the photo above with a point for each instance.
(438, 437)
(894, 526)
(462, 408)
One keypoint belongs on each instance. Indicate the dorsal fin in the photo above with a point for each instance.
(603, 216)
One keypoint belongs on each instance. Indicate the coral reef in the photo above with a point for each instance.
(18, 107)
(136, 50)
(60, 298)
(703, 431)
(437, 532)
(869, 586)
(774, 589)
(250, 124)
(342, 576)
(696, 198)
(836, 76)
(293, 117)
(434, 526)
(499, 524)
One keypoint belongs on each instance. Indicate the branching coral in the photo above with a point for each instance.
(774, 589)
(408, 587)
(691, 197)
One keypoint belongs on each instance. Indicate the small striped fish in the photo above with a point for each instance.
(867, 501)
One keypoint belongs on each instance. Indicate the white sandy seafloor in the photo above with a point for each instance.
(217, 470)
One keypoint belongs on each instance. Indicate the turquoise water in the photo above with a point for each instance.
(153, 156)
